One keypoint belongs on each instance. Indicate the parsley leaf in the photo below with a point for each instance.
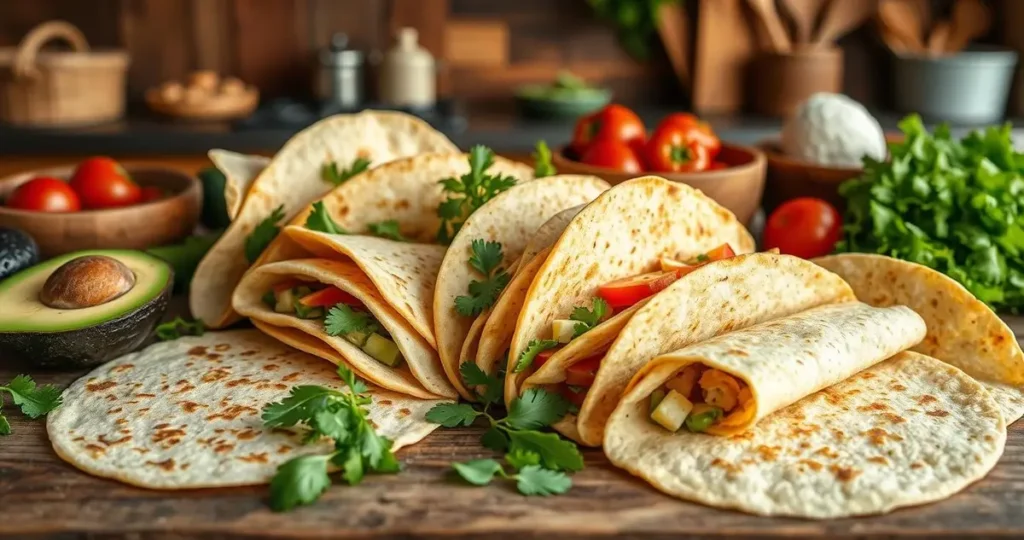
(387, 229)
(472, 376)
(321, 221)
(536, 409)
(535, 480)
(299, 481)
(542, 165)
(302, 403)
(263, 234)
(342, 319)
(452, 414)
(535, 347)
(329, 172)
(178, 328)
(469, 192)
(34, 401)
(521, 458)
(555, 453)
(5, 427)
(486, 257)
(588, 318)
(478, 472)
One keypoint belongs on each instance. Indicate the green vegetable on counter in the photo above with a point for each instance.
(954, 206)
(34, 401)
(542, 165)
(185, 257)
(179, 327)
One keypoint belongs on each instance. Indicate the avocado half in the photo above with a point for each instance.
(52, 337)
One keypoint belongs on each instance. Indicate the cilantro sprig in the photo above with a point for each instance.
(263, 234)
(469, 192)
(321, 221)
(587, 319)
(533, 348)
(330, 172)
(342, 319)
(332, 414)
(179, 327)
(387, 229)
(34, 401)
(542, 165)
(530, 477)
(486, 259)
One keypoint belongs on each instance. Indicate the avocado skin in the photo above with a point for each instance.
(18, 251)
(87, 347)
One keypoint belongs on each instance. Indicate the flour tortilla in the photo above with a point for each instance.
(292, 180)
(908, 431)
(623, 233)
(239, 170)
(185, 414)
(420, 375)
(962, 330)
(510, 219)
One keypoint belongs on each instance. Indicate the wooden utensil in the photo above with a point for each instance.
(673, 27)
(924, 14)
(769, 17)
(894, 41)
(971, 19)
(900, 19)
(805, 17)
(725, 46)
(842, 16)
(939, 38)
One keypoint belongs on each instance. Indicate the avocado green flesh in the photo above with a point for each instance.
(23, 312)
(382, 350)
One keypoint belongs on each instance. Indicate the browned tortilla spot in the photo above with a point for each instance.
(103, 440)
(122, 368)
(99, 387)
(938, 413)
(897, 387)
(385, 402)
(894, 418)
(926, 399)
(255, 458)
(283, 449)
(768, 453)
(248, 353)
(722, 464)
(238, 382)
(145, 395)
(223, 448)
(216, 374)
(95, 450)
(167, 465)
(78, 439)
(810, 463)
(231, 412)
(111, 397)
(221, 347)
(827, 452)
(876, 406)
(213, 357)
(190, 406)
(247, 434)
(844, 474)
(737, 352)
(404, 412)
(879, 460)
(271, 367)
(115, 410)
(290, 377)
(197, 351)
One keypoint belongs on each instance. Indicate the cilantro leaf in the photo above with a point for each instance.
(494, 439)
(387, 229)
(355, 385)
(469, 192)
(5, 427)
(301, 404)
(521, 458)
(34, 401)
(334, 423)
(473, 376)
(535, 347)
(320, 220)
(486, 257)
(179, 327)
(542, 165)
(342, 319)
(263, 234)
(535, 480)
(555, 453)
(329, 172)
(535, 409)
(478, 472)
(299, 481)
(452, 414)
(352, 467)
(588, 318)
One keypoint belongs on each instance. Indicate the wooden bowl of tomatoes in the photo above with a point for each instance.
(98, 204)
(613, 144)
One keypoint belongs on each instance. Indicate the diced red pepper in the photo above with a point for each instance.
(542, 357)
(331, 296)
(582, 373)
(572, 396)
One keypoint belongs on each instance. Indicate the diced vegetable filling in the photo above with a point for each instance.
(702, 398)
(342, 315)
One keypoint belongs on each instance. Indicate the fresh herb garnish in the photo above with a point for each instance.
(542, 165)
(486, 260)
(387, 229)
(469, 192)
(530, 478)
(329, 172)
(319, 220)
(331, 414)
(263, 234)
(342, 319)
(179, 327)
(535, 347)
(587, 319)
(34, 401)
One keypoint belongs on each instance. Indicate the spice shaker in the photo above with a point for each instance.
(408, 76)
(339, 79)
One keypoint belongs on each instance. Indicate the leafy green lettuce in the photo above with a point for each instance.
(955, 206)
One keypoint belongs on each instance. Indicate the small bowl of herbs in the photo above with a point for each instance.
(568, 96)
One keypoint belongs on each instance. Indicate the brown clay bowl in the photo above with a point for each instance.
(737, 188)
(132, 227)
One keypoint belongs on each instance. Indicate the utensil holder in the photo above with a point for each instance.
(785, 80)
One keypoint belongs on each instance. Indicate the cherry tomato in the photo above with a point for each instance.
(613, 155)
(805, 227)
(151, 193)
(613, 122)
(625, 292)
(45, 194)
(582, 373)
(329, 297)
(696, 128)
(681, 269)
(101, 182)
(572, 396)
(673, 149)
(723, 251)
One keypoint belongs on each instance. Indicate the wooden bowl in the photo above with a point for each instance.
(132, 227)
(737, 188)
(220, 107)
(785, 80)
(789, 178)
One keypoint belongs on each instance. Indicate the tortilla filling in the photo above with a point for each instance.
(703, 399)
(352, 321)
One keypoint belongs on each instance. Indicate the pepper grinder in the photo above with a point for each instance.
(340, 77)
(408, 75)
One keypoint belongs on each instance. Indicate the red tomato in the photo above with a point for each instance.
(613, 122)
(717, 165)
(673, 149)
(805, 227)
(542, 357)
(582, 373)
(151, 193)
(102, 183)
(45, 194)
(282, 286)
(613, 155)
(329, 297)
(625, 292)
(723, 251)
(572, 396)
(696, 128)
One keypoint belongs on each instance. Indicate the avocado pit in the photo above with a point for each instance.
(86, 281)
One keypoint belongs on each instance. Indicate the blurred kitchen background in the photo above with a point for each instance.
(467, 65)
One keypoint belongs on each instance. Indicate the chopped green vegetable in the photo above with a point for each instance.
(179, 327)
(387, 229)
(473, 376)
(533, 348)
(486, 260)
(542, 165)
(269, 299)
(699, 422)
(34, 401)
(469, 192)
(588, 318)
(530, 479)
(954, 206)
(263, 234)
(319, 220)
(329, 172)
(342, 319)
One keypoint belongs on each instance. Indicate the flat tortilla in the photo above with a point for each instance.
(185, 414)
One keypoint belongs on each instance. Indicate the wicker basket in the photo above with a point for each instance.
(50, 89)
